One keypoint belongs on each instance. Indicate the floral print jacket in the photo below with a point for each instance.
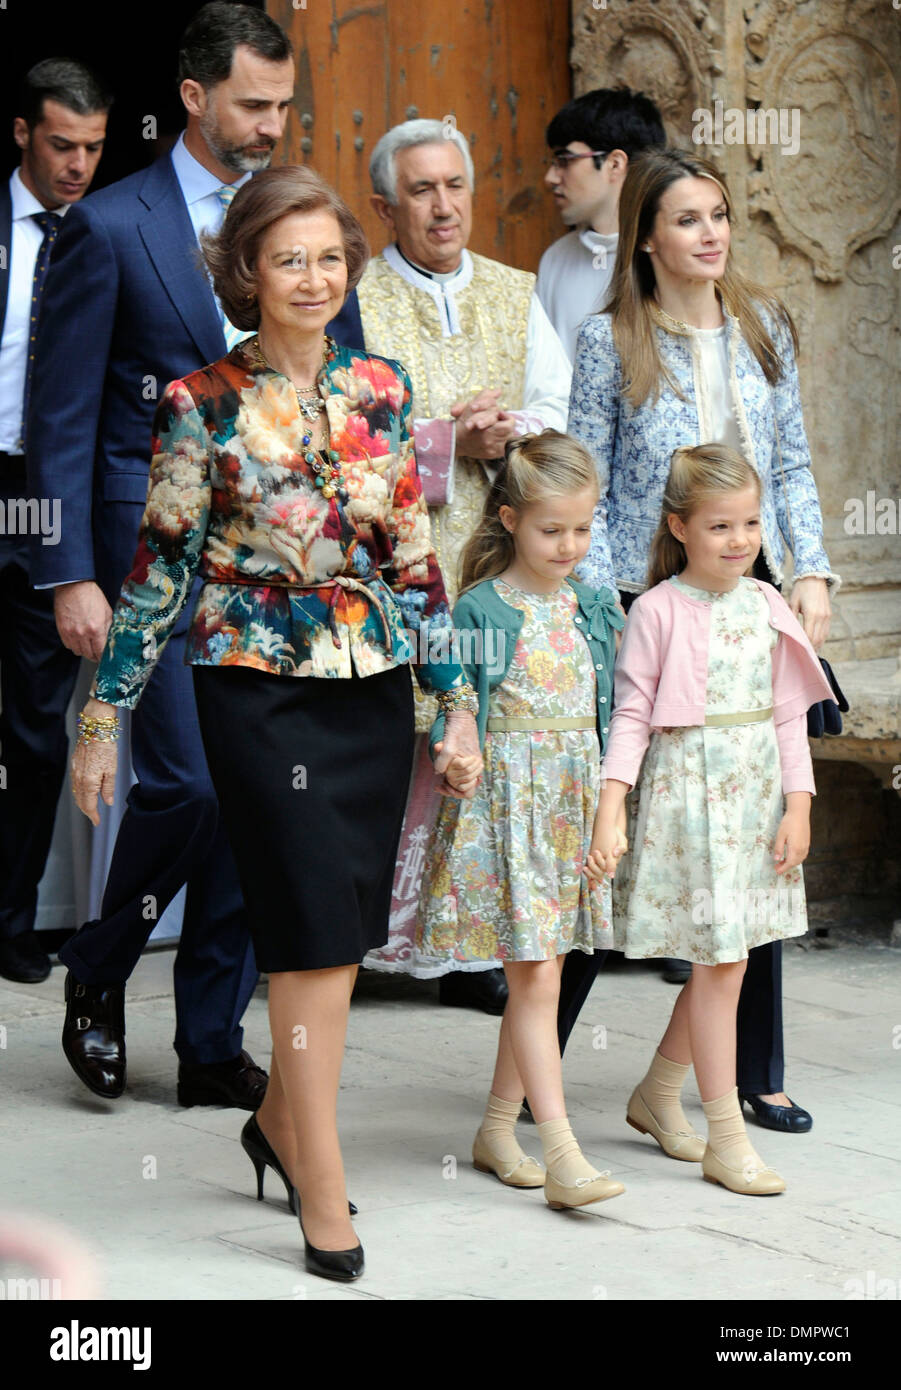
(294, 583)
(632, 448)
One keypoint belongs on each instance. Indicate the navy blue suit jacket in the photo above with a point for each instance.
(6, 240)
(127, 308)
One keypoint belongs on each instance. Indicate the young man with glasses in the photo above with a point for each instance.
(591, 141)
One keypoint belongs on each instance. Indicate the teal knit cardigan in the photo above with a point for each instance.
(496, 625)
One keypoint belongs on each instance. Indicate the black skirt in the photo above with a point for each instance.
(312, 777)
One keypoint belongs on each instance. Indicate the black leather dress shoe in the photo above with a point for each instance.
(239, 1082)
(676, 972)
(23, 959)
(94, 1036)
(475, 989)
(790, 1119)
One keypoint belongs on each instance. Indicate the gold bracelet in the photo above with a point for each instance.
(461, 700)
(92, 730)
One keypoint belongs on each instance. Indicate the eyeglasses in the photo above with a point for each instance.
(561, 159)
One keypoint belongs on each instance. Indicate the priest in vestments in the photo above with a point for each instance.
(486, 366)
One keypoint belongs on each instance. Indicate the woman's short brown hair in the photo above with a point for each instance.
(275, 193)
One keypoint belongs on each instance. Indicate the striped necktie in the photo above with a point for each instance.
(49, 223)
(233, 335)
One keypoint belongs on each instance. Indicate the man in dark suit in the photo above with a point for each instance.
(60, 131)
(127, 309)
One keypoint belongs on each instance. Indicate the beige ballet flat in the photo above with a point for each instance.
(525, 1172)
(749, 1182)
(582, 1193)
(684, 1144)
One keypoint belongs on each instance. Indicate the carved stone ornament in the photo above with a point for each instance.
(672, 53)
(838, 65)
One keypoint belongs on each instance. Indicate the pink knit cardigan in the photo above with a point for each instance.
(661, 681)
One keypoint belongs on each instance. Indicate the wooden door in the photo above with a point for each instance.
(499, 69)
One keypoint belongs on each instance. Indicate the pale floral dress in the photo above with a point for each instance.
(503, 878)
(700, 881)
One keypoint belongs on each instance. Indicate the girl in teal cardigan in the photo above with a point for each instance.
(504, 878)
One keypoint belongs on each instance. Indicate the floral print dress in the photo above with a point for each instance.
(699, 883)
(503, 877)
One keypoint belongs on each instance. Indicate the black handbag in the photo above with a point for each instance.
(824, 717)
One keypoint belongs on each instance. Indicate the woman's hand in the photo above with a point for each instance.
(458, 756)
(93, 766)
(463, 775)
(793, 836)
(810, 604)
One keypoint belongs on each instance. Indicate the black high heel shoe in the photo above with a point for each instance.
(260, 1152)
(343, 1265)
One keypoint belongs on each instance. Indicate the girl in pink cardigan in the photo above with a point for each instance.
(712, 686)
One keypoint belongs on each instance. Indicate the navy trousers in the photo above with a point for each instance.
(171, 835)
(37, 676)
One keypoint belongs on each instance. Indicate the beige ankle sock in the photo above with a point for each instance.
(726, 1133)
(498, 1128)
(563, 1158)
(661, 1091)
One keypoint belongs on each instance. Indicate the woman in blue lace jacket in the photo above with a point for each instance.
(687, 351)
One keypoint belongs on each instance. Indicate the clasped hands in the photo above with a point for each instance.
(608, 843)
(457, 759)
(483, 426)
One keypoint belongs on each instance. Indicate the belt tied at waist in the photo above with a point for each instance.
(350, 581)
(498, 723)
(339, 582)
(748, 716)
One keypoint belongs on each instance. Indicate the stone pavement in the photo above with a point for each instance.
(162, 1199)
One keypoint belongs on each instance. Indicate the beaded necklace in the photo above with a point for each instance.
(326, 466)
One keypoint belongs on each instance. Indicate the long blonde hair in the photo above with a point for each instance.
(695, 475)
(631, 299)
(535, 466)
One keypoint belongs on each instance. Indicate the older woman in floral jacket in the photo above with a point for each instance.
(284, 476)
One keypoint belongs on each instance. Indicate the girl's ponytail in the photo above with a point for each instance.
(695, 475)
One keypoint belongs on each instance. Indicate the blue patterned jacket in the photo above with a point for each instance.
(633, 447)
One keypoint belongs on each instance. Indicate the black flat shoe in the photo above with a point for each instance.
(475, 989)
(94, 1036)
(790, 1119)
(239, 1082)
(260, 1152)
(343, 1265)
(23, 959)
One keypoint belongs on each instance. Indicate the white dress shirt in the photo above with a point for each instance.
(23, 254)
(573, 279)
